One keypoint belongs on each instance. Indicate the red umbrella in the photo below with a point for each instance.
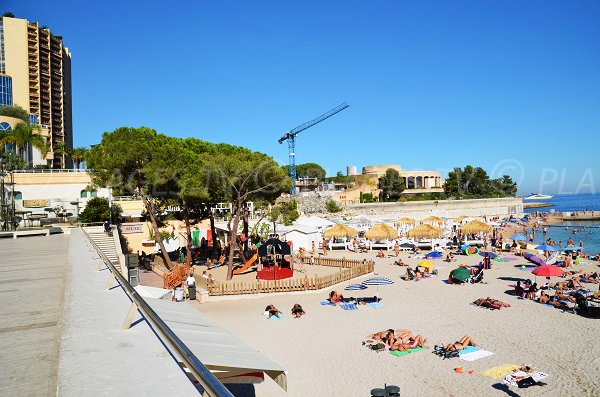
(548, 271)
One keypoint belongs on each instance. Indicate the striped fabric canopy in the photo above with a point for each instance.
(378, 281)
(356, 287)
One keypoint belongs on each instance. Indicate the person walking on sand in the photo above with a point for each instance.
(397, 248)
(325, 246)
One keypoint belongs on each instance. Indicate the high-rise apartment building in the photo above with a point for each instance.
(35, 68)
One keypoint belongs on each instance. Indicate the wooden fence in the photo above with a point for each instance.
(291, 284)
(333, 262)
(176, 276)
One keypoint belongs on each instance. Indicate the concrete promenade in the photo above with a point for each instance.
(60, 330)
(32, 283)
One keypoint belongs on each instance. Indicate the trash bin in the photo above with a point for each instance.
(192, 292)
(134, 276)
(131, 260)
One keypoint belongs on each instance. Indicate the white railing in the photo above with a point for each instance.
(50, 171)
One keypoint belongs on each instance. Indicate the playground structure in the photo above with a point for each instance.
(274, 260)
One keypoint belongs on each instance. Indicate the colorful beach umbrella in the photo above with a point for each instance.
(356, 287)
(425, 264)
(465, 247)
(460, 274)
(489, 253)
(548, 271)
(471, 251)
(546, 247)
(572, 248)
(434, 254)
(519, 237)
(377, 281)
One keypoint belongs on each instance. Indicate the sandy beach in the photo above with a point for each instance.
(324, 356)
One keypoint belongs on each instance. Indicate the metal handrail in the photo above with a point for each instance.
(211, 385)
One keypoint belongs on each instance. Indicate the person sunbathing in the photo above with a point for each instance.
(273, 311)
(334, 297)
(411, 343)
(297, 311)
(380, 254)
(449, 257)
(561, 296)
(491, 303)
(459, 345)
(544, 298)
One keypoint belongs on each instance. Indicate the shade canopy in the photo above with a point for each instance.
(434, 254)
(425, 264)
(433, 219)
(356, 287)
(548, 271)
(546, 247)
(476, 227)
(519, 237)
(460, 274)
(377, 281)
(460, 218)
(425, 231)
(340, 231)
(222, 353)
(405, 221)
(381, 231)
(488, 253)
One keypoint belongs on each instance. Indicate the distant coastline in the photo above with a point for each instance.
(536, 205)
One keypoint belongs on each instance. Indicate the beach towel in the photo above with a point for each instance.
(500, 371)
(327, 303)
(273, 318)
(512, 379)
(468, 349)
(404, 353)
(475, 355)
(349, 306)
(375, 305)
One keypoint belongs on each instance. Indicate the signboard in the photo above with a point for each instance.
(128, 229)
(35, 203)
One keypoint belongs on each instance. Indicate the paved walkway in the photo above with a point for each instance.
(32, 283)
(98, 358)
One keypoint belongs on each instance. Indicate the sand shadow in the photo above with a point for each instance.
(505, 389)
(510, 278)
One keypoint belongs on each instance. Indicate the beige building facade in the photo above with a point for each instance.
(39, 67)
(414, 181)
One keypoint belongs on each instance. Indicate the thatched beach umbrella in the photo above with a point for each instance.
(460, 219)
(405, 221)
(381, 231)
(433, 220)
(340, 231)
(425, 231)
(475, 227)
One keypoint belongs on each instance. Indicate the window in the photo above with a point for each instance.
(18, 196)
(83, 194)
(94, 193)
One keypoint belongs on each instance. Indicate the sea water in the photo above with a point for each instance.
(587, 232)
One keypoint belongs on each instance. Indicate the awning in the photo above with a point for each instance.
(221, 352)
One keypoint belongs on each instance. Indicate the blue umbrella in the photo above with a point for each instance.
(490, 254)
(355, 287)
(465, 247)
(519, 237)
(377, 281)
(545, 247)
(572, 248)
(433, 255)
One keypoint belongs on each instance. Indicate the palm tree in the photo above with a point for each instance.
(21, 137)
(60, 149)
(78, 156)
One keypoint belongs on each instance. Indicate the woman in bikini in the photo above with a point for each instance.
(459, 345)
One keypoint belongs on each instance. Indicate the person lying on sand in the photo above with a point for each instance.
(401, 345)
(459, 345)
(399, 333)
(449, 257)
(335, 297)
(491, 303)
(561, 296)
(273, 311)
(297, 311)
(380, 254)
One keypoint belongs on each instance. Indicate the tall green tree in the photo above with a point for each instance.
(60, 148)
(98, 209)
(391, 185)
(474, 182)
(130, 160)
(245, 176)
(310, 170)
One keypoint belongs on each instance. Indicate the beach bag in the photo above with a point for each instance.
(526, 382)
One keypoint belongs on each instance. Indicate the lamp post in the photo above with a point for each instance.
(7, 210)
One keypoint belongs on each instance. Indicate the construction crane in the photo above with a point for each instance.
(291, 138)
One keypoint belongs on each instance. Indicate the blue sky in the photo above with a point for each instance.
(511, 86)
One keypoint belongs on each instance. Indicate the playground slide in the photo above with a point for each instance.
(246, 265)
